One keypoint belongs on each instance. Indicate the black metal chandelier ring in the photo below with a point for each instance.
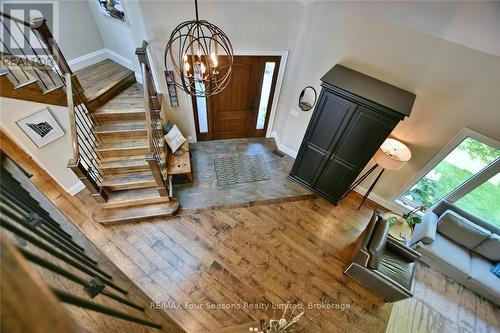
(199, 57)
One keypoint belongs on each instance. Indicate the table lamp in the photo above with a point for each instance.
(392, 155)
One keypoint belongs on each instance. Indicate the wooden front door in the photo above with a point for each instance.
(234, 112)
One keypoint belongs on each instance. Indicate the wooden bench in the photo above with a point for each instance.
(179, 163)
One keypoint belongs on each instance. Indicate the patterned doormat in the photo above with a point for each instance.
(234, 169)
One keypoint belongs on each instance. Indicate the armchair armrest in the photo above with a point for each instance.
(402, 249)
(426, 230)
(360, 248)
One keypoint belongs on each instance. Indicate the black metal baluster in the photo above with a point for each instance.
(10, 227)
(83, 303)
(73, 277)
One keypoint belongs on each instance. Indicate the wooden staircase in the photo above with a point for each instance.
(115, 123)
(127, 178)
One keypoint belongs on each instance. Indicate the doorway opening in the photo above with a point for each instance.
(243, 108)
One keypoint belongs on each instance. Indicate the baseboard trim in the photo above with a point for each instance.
(75, 188)
(392, 206)
(281, 147)
(88, 59)
(98, 56)
(120, 59)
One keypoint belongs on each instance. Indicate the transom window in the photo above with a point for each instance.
(466, 173)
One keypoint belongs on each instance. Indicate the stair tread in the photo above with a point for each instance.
(124, 125)
(114, 144)
(118, 111)
(135, 213)
(128, 161)
(128, 178)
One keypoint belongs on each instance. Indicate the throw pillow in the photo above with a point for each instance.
(496, 270)
(461, 230)
(174, 138)
(489, 248)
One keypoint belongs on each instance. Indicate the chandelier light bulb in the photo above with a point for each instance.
(186, 66)
(202, 68)
(214, 59)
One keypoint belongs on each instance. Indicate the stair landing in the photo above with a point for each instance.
(104, 80)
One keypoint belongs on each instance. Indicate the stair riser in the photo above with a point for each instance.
(122, 152)
(122, 135)
(137, 202)
(119, 116)
(149, 184)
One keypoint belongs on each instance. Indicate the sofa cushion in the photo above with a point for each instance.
(480, 273)
(377, 243)
(447, 253)
(461, 230)
(490, 248)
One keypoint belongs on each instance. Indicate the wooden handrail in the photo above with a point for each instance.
(40, 25)
(15, 19)
(72, 116)
(142, 56)
(147, 110)
(152, 105)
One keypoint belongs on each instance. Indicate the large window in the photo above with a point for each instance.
(466, 173)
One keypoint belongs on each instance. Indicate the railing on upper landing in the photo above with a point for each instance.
(29, 53)
(157, 156)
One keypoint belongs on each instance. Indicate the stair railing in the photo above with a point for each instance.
(157, 156)
(31, 48)
(32, 239)
(85, 161)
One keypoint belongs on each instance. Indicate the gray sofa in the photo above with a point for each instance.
(462, 246)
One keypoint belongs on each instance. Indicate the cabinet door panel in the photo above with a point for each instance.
(333, 178)
(332, 112)
(363, 137)
(311, 160)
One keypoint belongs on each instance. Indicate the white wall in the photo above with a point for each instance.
(456, 86)
(250, 25)
(78, 33)
(53, 157)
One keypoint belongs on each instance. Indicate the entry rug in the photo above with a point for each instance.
(235, 169)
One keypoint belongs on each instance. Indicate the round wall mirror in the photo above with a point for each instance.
(307, 98)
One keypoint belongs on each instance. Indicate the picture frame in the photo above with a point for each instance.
(113, 9)
(41, 127)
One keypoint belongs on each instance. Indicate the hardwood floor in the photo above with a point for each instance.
(264, 253)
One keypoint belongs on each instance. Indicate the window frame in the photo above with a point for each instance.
(466, 187)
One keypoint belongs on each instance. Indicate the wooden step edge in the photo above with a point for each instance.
(136, 213)
(27, 83)
(122, 148)
(48, 91)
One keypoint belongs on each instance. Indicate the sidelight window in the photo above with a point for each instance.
(265, 93)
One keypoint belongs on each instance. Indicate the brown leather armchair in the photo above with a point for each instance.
(381, 263)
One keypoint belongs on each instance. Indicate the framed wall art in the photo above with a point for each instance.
(41, 127)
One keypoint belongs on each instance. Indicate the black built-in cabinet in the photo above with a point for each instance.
(354, 114)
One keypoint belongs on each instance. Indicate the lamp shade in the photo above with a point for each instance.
(392, 155)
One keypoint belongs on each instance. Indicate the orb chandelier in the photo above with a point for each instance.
(199, 57)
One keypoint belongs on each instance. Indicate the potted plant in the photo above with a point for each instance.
(412, 217)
